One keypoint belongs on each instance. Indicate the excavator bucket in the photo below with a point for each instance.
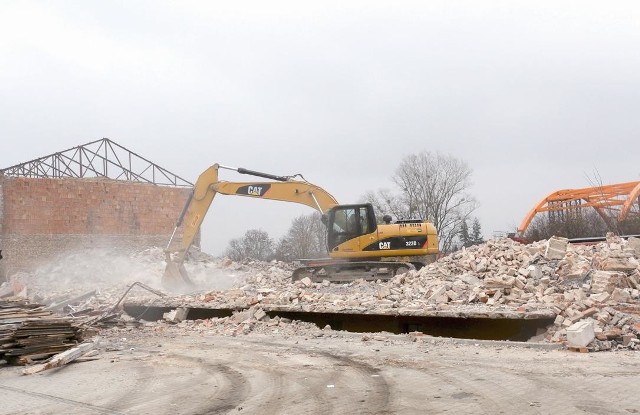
(175, 276)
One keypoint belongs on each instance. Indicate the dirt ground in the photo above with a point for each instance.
(144, 371)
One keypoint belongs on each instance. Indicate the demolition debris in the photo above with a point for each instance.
(589, 294)
(501, 278)
(30, 333)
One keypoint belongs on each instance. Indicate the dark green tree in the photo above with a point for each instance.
(465, 239)
(476, 233)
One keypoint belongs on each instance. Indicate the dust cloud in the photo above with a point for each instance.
(108, 268)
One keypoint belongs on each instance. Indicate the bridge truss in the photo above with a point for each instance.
(614, 203)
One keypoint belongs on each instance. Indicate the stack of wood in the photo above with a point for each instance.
(29, 333)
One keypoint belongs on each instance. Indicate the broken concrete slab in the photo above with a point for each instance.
(177, 315)
(620, 295)
(259, 314)
(556, 248)
(499, 281)
(306, 281)
(634, 243)
(607, 281)
(580, 334)
(618, 264)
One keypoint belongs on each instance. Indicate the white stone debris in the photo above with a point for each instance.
(569, 283)
(176, 315)
(597, 283)
(580, 334)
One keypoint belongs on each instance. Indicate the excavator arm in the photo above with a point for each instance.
(284, 188)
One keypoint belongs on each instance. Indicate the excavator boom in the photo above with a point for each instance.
(283, 188)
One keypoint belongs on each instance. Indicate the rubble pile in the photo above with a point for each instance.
(251, 320)
(597, 283)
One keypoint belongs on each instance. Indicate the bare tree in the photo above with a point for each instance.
(431, 186)
(306, 238)
(578, 223)
(386, 202)
(608, 216)
(255, 244)
(574, 224)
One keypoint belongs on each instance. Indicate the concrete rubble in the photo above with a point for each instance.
(597, 285)
(580, 334)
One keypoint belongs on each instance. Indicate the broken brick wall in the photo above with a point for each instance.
(3, 271)
(41, 218)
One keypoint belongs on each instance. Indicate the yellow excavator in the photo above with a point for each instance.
(358, 246)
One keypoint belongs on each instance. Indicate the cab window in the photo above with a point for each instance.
(349, 222)
(364, 221)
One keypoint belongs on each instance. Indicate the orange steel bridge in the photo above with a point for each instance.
(614, 202)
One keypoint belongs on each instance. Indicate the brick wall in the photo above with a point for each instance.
(41, 218)
(3, 270)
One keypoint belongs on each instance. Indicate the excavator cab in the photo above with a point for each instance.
(346, 222)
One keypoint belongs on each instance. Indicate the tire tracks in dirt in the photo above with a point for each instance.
(232, 384)
(459, 389)
(368, 393)
(75, 404)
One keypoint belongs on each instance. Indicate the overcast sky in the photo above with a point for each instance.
(534, 96)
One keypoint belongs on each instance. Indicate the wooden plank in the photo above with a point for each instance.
(65, 357)
(28, 332)
(51, 350)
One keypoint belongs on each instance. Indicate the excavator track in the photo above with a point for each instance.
(343, 272)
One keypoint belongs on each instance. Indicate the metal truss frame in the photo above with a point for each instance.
(100, 158)
(612, 202)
